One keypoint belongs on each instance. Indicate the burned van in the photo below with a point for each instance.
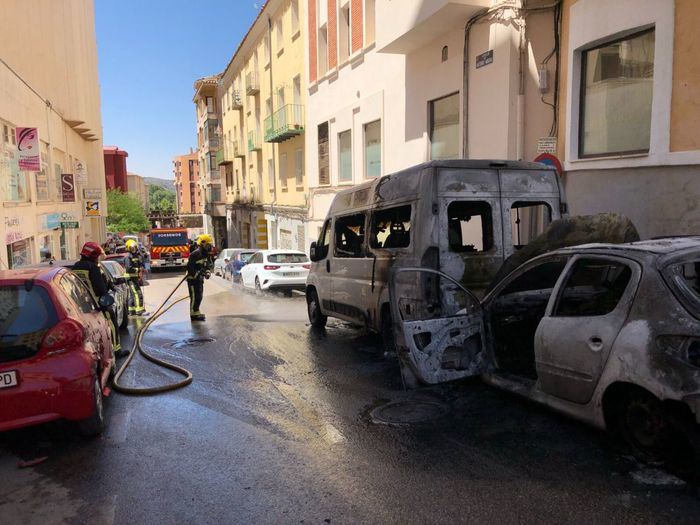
(459, 217)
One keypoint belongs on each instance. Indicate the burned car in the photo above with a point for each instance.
(606, 333)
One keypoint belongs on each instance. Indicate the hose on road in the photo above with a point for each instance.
(148, 391)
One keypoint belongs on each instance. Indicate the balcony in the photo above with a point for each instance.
(285, 123)
(225, 155)
(404, 28)
(238, 150)
(254, 143)
(252, 83)
(236, 99)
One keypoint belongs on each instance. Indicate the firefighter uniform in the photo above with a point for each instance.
(134, 264)
(199, 267)
(90, 272)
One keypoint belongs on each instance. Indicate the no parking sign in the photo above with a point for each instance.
(549, 160)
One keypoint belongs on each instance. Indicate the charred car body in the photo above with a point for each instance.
(461, 217)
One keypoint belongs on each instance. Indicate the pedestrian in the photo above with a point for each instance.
(199, 267)
(134, 267)
(89, 271)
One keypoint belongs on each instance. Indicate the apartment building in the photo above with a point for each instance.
(262, 99)
(390, 86)
(208, 144)
(629, 137)
(139, 189)
(45, 210)
(187, 190)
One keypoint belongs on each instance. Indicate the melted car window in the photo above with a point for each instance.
(391, 228)
(349, 236)
(469, 226)
(594, 287)
(528, 220)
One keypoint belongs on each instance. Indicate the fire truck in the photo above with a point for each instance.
(169, 247)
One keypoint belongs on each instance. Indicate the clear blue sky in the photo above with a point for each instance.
(150, 53)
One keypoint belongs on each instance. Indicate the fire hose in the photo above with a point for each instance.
(137, 346)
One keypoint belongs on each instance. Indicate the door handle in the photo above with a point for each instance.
(595, 343)
(328, 266)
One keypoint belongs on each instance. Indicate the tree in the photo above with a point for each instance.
(160, 199)
(125, 213)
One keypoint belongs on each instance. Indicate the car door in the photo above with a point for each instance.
(585, 315)
(249, 271)
(351, 267)
(320, 274)
(439, 339)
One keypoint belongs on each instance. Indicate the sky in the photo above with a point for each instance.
(149, 55)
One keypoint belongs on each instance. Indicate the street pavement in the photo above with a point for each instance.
(284, 424)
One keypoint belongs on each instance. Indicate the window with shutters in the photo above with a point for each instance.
(323, 158)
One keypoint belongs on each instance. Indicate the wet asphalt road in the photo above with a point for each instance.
(277, 428)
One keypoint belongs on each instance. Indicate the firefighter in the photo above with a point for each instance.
(134, 266)
(199, 267)
(92, 274)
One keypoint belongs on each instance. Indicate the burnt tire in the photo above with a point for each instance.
(125, 316)
(652, 433)
(313, 309)
(388, 339)
(94, 425)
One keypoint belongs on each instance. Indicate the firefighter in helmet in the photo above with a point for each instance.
(89, 271)
(134, 266)
(199, 267)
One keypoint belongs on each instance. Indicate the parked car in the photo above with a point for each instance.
(237, 260)
(56, 353)
(608, 334)
(121, 259)
(221, 260)
(284, 270)
(116, 275)
(461, 217)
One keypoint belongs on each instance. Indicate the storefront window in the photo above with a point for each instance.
(14, 181)
(444, 127)
(19, 253)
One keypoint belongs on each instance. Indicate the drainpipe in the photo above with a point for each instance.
(522, 61)
(272, 112)
(465, 80)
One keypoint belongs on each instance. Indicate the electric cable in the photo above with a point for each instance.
(136, 346)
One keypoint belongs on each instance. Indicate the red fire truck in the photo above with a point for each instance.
(169, 247)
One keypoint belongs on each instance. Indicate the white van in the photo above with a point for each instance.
(460, 217)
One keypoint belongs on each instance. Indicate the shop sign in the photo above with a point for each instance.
(92, 193)
(67, 216)
(547, 145)
(484, 59)
(50, 221)
(67, 187)
(70, 225)
(14, 229)
(80, 171)
(92, 208)
(28, 148)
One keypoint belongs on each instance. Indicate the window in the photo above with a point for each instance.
(345, 156)
(283, 170)
(373, 149)
(616, 95)
(280, 35)
(322, 50)
(370, 22)
(212, 162)
(350, 236)
(287, 258)
(297, 90)
(78, 293)
(295, 16)
(266, 49)
(445, 53)
(684, 280)
(41, 180)
(323, 160)
(444, 127)
(528, 220)
(299, 167)
(391, 228)
(280, 97)
(324, 241)
(594, 287)
(344, 44)
(542, 277)
(469, 226)
(211, 108)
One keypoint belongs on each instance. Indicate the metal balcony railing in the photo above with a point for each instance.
(236, 99)
(252, 83)
(254, 143)
(238, 149)
(285, 123)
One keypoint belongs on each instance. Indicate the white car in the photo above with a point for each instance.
(284, 270)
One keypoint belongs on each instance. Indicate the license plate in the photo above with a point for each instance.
(8, 379)
(290, 274)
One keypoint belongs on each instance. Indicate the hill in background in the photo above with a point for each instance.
(166, 184)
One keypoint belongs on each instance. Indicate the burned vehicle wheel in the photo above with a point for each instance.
(94, 425)
(651, 432)
(316, 317)
(388, 341)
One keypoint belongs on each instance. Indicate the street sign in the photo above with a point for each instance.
(549, 160)
(70, 225)
(547, 145)
(92, 208)
(484, 59)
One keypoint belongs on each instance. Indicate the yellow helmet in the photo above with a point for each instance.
(131, 244)
(205, 238)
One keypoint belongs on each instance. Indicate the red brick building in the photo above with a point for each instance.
(115, 168)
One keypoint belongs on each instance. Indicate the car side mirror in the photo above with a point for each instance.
(312, 252)
(105, 301)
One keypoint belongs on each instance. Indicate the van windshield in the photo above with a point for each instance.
(24, 318)
(684, 280)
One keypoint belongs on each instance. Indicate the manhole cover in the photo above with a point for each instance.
(408, 412)
(195, 341)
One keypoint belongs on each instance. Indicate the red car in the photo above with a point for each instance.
(56, 353)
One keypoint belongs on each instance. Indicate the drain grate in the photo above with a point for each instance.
(408, 412)
(194, 341)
